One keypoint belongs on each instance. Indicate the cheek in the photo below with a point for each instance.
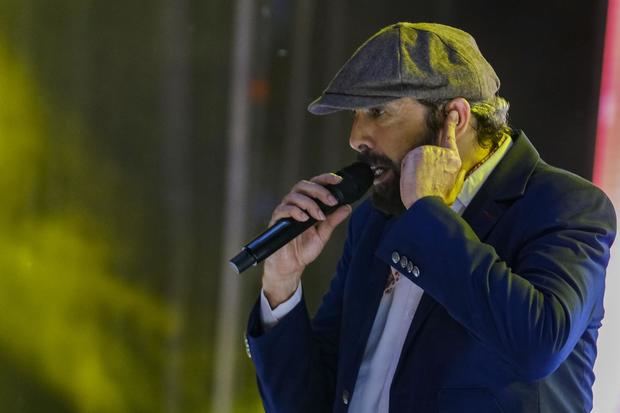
(401, 152)
(420, 137)
(397, 139)
(395, 146)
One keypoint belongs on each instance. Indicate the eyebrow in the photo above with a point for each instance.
(380, 107)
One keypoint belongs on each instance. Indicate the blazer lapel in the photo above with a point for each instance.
(506, 183)
(367, 275)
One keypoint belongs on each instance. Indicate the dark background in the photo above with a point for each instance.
(114, 120)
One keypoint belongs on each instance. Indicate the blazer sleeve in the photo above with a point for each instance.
(296, 360)
(534, 313)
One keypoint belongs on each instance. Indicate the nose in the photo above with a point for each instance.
(360, 138)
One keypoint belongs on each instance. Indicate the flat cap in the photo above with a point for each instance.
(418, 60)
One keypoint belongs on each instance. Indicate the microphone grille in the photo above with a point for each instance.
(356, 179)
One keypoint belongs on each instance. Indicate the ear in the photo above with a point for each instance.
(461, 105)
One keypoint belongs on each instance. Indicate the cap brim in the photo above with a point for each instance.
(333, 102)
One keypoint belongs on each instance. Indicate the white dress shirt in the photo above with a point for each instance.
(396, 311)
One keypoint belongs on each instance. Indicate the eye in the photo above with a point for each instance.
(376, 111)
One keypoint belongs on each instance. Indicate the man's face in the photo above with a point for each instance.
(383, 135)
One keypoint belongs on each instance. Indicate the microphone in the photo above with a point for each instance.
(356, 179)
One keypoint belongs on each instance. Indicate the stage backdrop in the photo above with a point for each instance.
(142, 142)
(607, 176)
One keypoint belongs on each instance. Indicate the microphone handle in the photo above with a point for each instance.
(275, 237)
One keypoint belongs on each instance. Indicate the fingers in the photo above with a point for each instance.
(288, 211)
(449, 132)
(327, 179)
(305, 203)
(315, 189)
(300, 204)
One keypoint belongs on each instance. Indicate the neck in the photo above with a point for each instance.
(474, 155)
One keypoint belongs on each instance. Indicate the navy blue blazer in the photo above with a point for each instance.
(509, 318)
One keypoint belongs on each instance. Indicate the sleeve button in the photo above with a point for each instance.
(345, 397)
(247, 347)
(395, 257)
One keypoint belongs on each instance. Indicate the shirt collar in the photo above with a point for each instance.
(474, 182)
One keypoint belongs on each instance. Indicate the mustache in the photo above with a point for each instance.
(375, 159)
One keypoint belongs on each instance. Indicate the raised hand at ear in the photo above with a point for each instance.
(433, 170)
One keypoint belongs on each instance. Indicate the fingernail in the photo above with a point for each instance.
(321, 216)
(332, 200)
(338, 177)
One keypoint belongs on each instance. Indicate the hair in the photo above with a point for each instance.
(491, 118)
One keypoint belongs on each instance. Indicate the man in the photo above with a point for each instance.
(472, 281)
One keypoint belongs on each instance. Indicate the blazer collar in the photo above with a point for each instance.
(506, 183)
(509, 178)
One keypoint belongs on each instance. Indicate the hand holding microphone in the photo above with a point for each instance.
(292, 240)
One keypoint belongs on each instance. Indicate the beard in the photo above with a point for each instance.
(385, 195)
